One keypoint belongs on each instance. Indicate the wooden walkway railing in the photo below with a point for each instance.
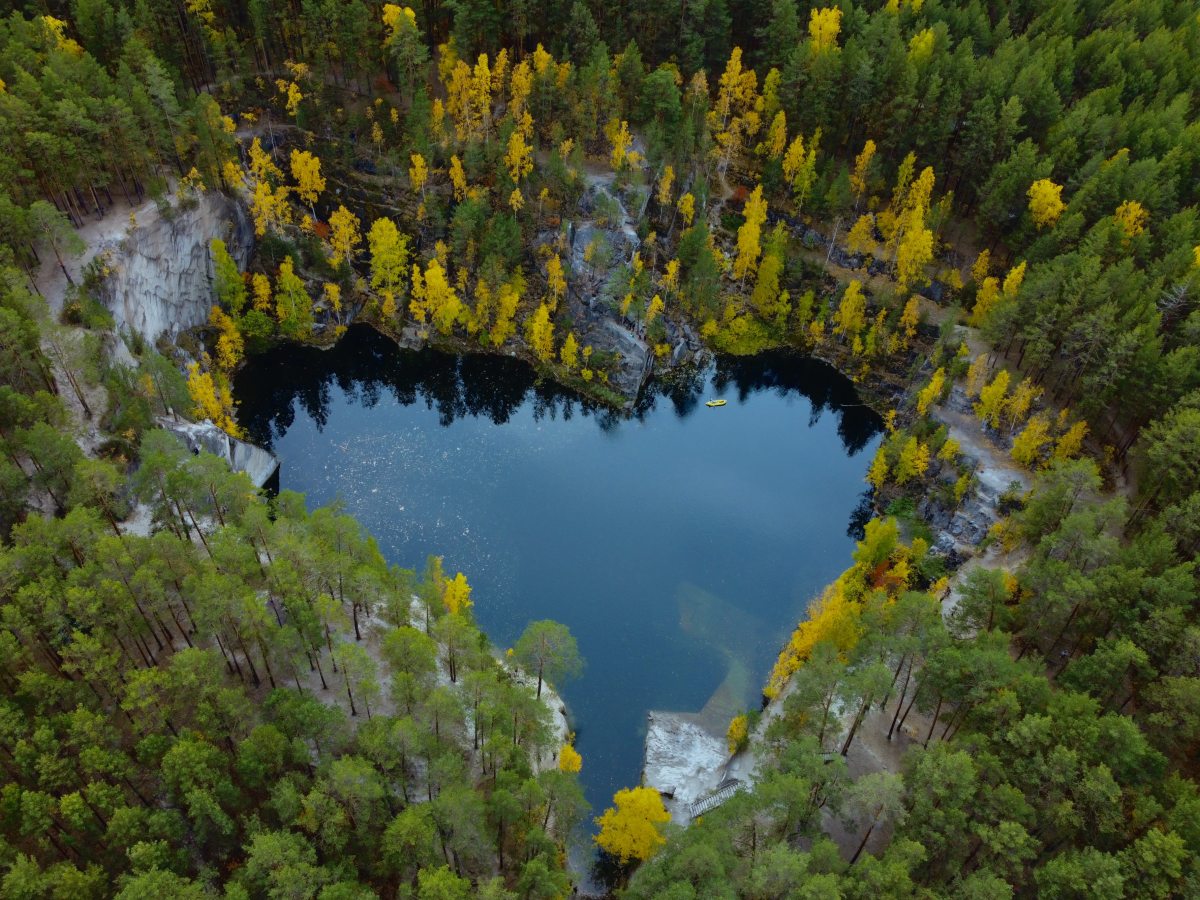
(707, 804)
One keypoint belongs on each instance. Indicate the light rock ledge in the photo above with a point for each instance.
(161, 279)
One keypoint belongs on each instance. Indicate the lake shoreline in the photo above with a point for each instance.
(683, 753)
(718, 560)
(878, 394)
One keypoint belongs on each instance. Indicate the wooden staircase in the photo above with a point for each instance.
(724, 791)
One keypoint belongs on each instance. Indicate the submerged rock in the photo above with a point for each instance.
(242, 456)
(161, 271)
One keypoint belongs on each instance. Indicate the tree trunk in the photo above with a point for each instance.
(321, 672)
(866, 837)
(895, 677)
(899, 702)
(350, 695)
(246, 654)
(862, 711)
(824, 722)
(224, 654)
(61, 264)
(266, 662)
(937, 712)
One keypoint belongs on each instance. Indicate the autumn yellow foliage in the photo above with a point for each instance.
(433, 296)
(306, 170)
(993, 400)
(457, 594)
(1028, 445)
(346, 235)
(920, 47)
(862, 164)
(569, 759)
(977, 375)
(834, 618)
(670, 278)
(654, 310)
(878, 472)
(632, 828)
(861, 237)
(389, 256)
(800, 167)
(1013, 280)
(519, 156)
(1132, 217)
(569, 352)
(418, 173)
(687, 208)
(458, 178)
(749, 244)
(539, 331)
(520, 83)
(738, 733)
(850, 317)
(1018, 405)
(397, 17)
(776, 139)
(618, 131)
(507, 301)
(914, 253)
(262, 166)
(824, 25)
(985, 300)
(230, 346)
(931, 392)
(1045, 202)
(665, 182)
(556, 279)
(261, 288)
(1071, 442)
(269, 208)
(212, 400)
(913, 461)
(982, 266)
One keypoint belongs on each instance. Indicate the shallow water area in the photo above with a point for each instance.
(680, 545)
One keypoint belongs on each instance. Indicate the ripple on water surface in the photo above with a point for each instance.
(679, 545)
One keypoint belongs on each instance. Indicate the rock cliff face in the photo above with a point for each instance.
(256, 462)
(961, 530)
(605, 222)
(161, 281)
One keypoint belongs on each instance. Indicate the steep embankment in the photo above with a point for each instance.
(158, 282)
(241, 456)
(160, 267)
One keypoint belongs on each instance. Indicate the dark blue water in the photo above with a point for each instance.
(679, 545)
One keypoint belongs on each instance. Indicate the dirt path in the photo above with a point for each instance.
(995, 469)
(97, 234)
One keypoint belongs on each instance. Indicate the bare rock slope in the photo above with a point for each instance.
(161, 269)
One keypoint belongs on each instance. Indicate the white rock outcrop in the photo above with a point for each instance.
(683, 761)
(256, 462)
(162, 271)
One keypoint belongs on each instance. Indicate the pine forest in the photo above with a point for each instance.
(981, 219)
